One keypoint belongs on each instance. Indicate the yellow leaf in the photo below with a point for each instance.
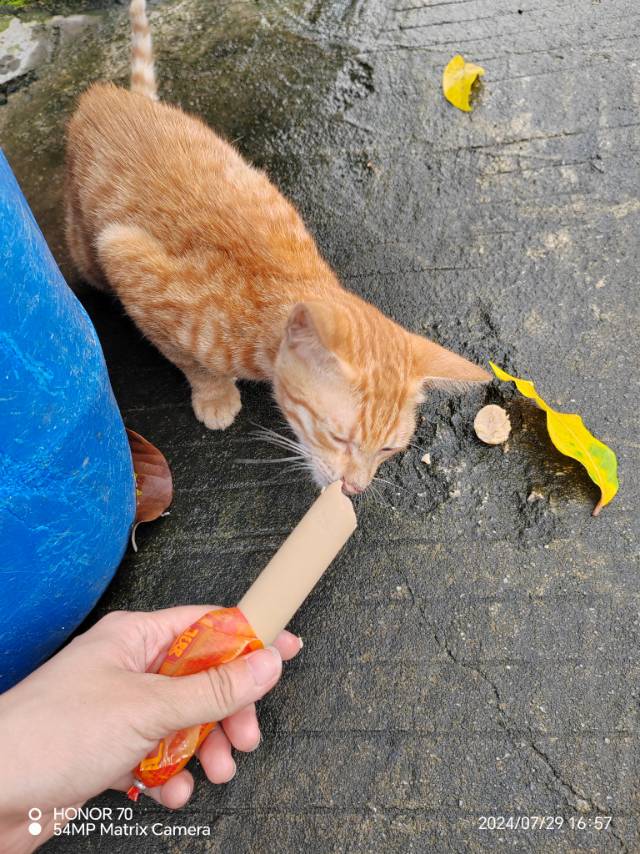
(457, 80)
(571, 437)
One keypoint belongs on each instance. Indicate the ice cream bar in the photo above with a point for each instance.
(224, 634)
(295, 569)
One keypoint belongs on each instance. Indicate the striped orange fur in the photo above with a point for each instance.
(143, 77)
(217, 268)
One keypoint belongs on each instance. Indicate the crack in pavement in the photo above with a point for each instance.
(518, 736)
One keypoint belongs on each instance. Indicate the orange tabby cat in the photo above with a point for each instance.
(219, 271)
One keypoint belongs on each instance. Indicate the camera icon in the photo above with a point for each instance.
(35, 828)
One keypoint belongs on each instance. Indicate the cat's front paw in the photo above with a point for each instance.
(216, 405)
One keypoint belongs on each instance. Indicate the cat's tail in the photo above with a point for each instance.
(143, 77)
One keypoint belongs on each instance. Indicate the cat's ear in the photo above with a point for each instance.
(317, 333)
(436, 366)
(313, 330)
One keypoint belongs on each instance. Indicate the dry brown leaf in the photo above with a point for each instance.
(154, 484)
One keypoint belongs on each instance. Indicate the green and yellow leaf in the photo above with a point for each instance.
(458, 79)
(571, 437)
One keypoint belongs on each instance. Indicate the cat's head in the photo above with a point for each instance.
(349, 382)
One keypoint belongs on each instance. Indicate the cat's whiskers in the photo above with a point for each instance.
(254, 462)
(377, 493)
(270, 440)
(390, 483)
(371, 496)
(301, 459)
(266, 434)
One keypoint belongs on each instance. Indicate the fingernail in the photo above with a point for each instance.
(301, 642)
(264, 664)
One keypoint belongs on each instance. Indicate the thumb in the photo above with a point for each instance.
(213, 694)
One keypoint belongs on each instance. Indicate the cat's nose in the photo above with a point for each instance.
(350, 488)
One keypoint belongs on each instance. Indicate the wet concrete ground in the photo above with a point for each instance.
(473, 652)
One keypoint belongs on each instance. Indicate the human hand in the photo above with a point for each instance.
(81, 722)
